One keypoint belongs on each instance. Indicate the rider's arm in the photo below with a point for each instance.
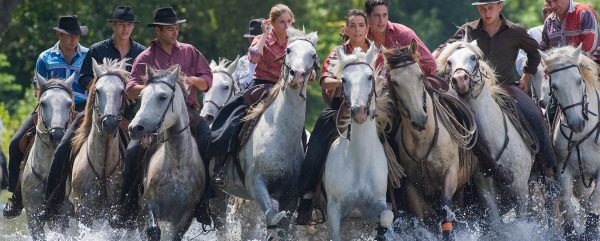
(135, 85)
(202, 78)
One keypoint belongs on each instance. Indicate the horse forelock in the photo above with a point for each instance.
(162, 73)
(356, 56)
(397, 56)
(562, 56)
(55, 82)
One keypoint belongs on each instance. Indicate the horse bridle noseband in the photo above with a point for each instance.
(99, 114)
(47, 130)
(475, 78)
(407, 61)
(156, 136)
(584, 103)
(231, 92)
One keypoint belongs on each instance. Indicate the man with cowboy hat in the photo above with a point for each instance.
(245, 69)
(494, 32)
(59, 62)
(164, 52)
(120, 45)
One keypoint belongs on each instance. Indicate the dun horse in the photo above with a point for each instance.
(96, 177)
(574, 85)
(55, 109)
(174, 176)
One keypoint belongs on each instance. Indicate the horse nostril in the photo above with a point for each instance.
(292, 72)
(210, 118)
(139, 128)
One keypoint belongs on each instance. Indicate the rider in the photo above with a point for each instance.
(245, 69)
(500, 41)
(162, 53)
(119, 46)
(535, 33)
(570, 23)
(58, 62)
(266, 51)
(354, 35)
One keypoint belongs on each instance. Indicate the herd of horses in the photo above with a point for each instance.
(436, 159)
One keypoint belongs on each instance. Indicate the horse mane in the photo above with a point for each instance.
(488, 73)
(110, 67)
(397, 56)
(257, 110)
(564, 56)
(180, 79)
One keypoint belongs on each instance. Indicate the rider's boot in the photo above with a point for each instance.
(14, 206)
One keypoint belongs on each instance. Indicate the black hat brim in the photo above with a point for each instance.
(247, 35)
(484, 3)
(83, 30)
(166, 24)
(121, 20)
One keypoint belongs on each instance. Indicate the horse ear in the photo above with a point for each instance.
(123, 64)
(70, 80)
(212, 64)
(149, 72)
(313, 37)
(474, 42)
(339, 51)
(41, 81)
(233, 65)
(174, 75)
(97, 70)
(412, 48)
(577, 52)
(372, 54)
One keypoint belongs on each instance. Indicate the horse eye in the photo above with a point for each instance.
(314, 56)
(343, 80)
(473, 57)
(288, 50)
(292, 72)
(226, 87)
(43, 103)
(449, 63)
(370, 77)
(579, 81)
(162, 98)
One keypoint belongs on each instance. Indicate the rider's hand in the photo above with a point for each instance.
(524, 82)
(266, 26)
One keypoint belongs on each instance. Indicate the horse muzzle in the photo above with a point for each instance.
(56, 134)
(419, 122)
(137, 131)
(359, 114)
(460, 80)
(576, 125)
(109, 125)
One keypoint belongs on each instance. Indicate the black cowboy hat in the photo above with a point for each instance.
(254, 28)
(165, 16)
(123, 13)
(482, 2)
(70, 25)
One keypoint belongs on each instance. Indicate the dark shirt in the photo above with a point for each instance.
(106, 49)
(501, 50)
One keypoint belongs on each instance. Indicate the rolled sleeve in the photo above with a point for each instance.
(589, 28)
(40, 68)
(253, 52)
(427, 62)
(326, 71)
(203, 70)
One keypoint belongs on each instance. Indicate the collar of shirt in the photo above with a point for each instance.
(155, 44)
(571, 6)
(479, 24)
(56, 49)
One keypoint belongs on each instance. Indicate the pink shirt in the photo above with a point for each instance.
(399, 35)
(266, 66)
(191, 61)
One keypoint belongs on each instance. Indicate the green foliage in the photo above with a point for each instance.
(12, 120)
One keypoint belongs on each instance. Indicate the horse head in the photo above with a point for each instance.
(300, 59)
(55, 104)
(408, 81)
(224, 86)
(571, 75)
(107, 95)
(162, 104)
(358, 78)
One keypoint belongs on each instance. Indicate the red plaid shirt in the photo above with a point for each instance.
(399, 35)
(266, 66)
(580, 26)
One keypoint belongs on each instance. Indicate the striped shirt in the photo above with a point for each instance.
(580, 26)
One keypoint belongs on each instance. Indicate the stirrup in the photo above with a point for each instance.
(218, 178)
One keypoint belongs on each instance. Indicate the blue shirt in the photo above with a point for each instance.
(52, 65)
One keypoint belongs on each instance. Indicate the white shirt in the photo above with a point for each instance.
(535, 33)
(244, 73)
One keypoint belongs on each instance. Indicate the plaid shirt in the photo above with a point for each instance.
(398, 35)
(580, 26)
(266, 66)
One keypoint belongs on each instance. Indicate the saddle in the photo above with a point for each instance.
(27, 139)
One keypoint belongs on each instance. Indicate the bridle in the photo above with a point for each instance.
(584, 103)
(475, 79)
(405, 61)
(231, 92)
(99, 114)
(47, 130)
(286, 70)
(160, 137)
(346, 102)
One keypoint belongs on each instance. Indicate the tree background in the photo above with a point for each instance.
(215, 27)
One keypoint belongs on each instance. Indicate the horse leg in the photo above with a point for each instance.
(591, 223)
(415, 201)
(334, 219)
(288, 205)
(152, 228)
(36, 226)
(487, 190)
(259, 192)
(446, 205)
(566, 182)
(386, 219)
(522, 194)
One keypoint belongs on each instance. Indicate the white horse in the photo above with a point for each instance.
(475, 82)
(272, 157)
(96, 177)
(55, 109)
(574, 85)
(429, 153)
(356, 171)
(174, 177)
(224, 86)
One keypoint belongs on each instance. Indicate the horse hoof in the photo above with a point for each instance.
(381, 234)
(153, 233)
(273, 219)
